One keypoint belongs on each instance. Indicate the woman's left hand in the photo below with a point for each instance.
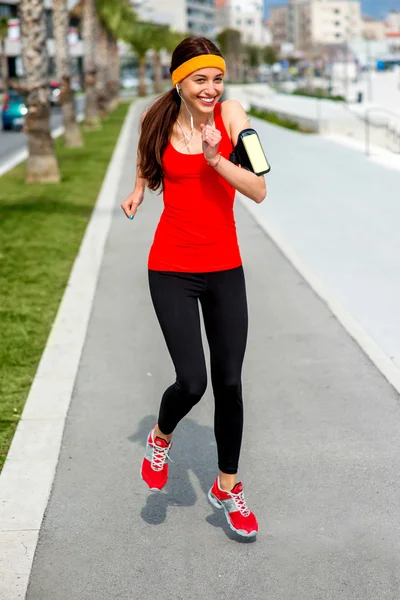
(211, 139)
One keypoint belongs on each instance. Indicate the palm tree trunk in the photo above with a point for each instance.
(157, 70)
(4, 64)
(102, 62)
(142, 76)
(116, 68)
(72, 137)
(113, 74)
(42, 163)
(92, 120)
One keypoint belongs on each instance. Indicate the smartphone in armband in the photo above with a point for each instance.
(249, 154)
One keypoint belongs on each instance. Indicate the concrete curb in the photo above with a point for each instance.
(27, 476)
(385, 365)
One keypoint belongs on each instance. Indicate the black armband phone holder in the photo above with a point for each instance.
(249, 154)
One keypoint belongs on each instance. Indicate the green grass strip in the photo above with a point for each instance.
(317, 93)
(275, 119)
(41, 229)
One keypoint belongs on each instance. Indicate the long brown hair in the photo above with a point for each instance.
(159, 119)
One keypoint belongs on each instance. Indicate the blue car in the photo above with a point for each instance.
(13, 111)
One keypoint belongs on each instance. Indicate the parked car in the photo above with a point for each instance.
(13, 111)
(131, 81)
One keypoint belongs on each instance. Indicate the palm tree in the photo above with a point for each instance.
(141, 40)
(118, 19)
(89, 32)
(73, 137)
(3, 55)
(102, 64)
(270, 55)
(253, 59)
(114, 76)
(161, 33)
(168, 40)
(230, 42)
(42, 163)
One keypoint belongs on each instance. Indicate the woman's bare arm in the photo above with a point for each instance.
(246, 182)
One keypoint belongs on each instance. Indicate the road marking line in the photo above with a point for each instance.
(22, 155)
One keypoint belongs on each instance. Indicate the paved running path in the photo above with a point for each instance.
(340, 213)
(320, 458)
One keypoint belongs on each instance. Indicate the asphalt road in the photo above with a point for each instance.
(13, 141)
(320, 458)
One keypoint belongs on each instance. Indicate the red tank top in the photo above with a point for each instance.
(197, 231)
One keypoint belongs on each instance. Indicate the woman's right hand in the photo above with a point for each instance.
(132, 202)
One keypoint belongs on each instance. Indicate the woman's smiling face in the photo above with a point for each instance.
(203, 88)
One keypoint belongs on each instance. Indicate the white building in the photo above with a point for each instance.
(245, 16)
(191, 16)
(323, 22)
(373, 29)
(9, 9)
(393, 22)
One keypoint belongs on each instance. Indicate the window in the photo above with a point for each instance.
(5, 11)
(238, 21)
(338, 35)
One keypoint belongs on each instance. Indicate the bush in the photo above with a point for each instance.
(317, 93)
(275, 119)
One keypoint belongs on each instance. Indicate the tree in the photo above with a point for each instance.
(42, 163)
(141, 41)
(102, 68)
(166, 39)
(72, 137)
(230, 43)
(252, 57)
(89, 32)
(118, 20)
(160, 41)
(270, 55)
(3, 55)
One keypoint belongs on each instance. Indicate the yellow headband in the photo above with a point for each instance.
(198, 62)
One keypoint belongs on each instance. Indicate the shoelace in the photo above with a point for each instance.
(160, 455)
(241, 503)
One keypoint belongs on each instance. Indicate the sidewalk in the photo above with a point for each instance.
(344, 122)
(320, 457)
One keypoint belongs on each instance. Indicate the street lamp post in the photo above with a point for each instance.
(369, 72)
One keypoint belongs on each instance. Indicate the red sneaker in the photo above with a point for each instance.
(239, 517)
(154, 469)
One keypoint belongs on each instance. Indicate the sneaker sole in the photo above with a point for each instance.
(151, 489)
(217, 504)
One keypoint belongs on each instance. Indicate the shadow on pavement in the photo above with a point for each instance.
(193, 450)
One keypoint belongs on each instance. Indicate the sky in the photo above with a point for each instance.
(374, 8)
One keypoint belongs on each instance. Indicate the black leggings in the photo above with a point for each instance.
(222, 296)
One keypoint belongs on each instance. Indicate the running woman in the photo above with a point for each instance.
(186, 138)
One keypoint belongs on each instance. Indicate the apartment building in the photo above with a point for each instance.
(244, 16)
(373, 29)
(279, 24)
(9, 9)
(192, 16)
(334, 21)
(310, 23)
(393, 23)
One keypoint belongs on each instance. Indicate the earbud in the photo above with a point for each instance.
(177, 88)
